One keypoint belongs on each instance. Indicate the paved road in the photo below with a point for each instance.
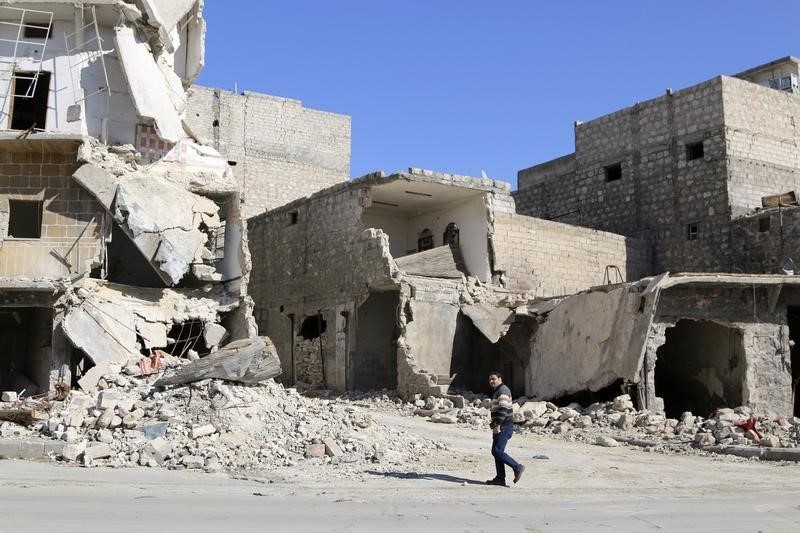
(580, 488)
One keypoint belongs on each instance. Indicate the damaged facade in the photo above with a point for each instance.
(408, 281)
(708, 175)
(120, 233)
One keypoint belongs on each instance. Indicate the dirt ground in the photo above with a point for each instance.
(569, 487)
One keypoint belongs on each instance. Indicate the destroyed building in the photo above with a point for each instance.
(120, 233)
(408, 281)
(708, 175)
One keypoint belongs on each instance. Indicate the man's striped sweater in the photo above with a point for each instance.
(502, 413)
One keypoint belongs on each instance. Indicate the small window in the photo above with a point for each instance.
(312, 327)
(451, 234)
(694, 151)
(293, 217)
(25, 219)
(613, 172)
(763, 224)
(425, 240)
(37, 30)
(691, 232)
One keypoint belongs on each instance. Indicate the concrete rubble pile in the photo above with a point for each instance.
(617, 422)
(212, 425)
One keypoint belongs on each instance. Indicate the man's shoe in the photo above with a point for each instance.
(498, 482)
(518, 473)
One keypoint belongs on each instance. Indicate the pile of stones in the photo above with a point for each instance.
(218, 426)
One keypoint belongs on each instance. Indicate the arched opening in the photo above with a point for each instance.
(451, 234)
(700, 368)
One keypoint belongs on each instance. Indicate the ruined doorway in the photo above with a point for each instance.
(374, 360)
(700, 368)
(793, 320)
(25, 353)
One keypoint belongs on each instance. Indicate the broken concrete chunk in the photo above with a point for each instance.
(71, 452)
(97, 451)
(332, 448)
(605, 441)
(108, 399)
(622, 403)
(9, 396)
(770, 441)
(193, 461)
(104, 331)
(202, 431)
(701, 440)
(214, 334)
(315, 450)
(98, 182)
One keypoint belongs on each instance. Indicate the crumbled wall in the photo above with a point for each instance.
(760, 249)
(550, 258)
(283, 151)
(315, 255)
(71, 218)
(660, 192)
(767, 379)
(308, 360)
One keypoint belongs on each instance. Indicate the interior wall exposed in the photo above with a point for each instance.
(25, 354)
(700, 368)
(126, 264)
(404, 228)
(374, 357)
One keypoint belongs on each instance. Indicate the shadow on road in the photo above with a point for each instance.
(429, 477)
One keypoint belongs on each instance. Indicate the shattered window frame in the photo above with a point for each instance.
(692, 231)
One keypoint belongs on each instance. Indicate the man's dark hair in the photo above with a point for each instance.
(496, 373)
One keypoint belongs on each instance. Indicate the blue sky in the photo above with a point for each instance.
(464, 85)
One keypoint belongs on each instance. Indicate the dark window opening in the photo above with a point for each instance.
(313, 327)
(25, 219)
(232, 163)
(26, 351)
(215, 124)
(613, 172)
(700, 368)
(763, 224)
(37, 30)
(186, 336)
(293, 217)
(451, 234)
(691, 232)
(694, 151)
(794, 334)
(29, 107)
(425, 240)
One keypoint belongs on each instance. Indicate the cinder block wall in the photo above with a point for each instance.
(315, 256)
(282, 150)
(71, 218)
(762, 240)
(660, 192)
(552, 258)
(762, 140)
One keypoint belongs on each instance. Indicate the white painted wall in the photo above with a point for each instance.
(68, 85)
(470, 216)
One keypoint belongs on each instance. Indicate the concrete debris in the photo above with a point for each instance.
(9, 396)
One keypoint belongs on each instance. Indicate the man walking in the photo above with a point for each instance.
(502, 425)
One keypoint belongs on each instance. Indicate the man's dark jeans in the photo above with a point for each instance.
(501, 458)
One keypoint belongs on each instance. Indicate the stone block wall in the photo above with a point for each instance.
(282, 150)
(551, 258)
(315, 256)
(762, 240)
(71, 218)
(761, 142)
(660, 191)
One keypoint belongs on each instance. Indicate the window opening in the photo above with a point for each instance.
(451, 234)
(37, 30)
(694, 151)
(25, 219)
(425, 240)
(313, 327)
(763, 224)
(293, 217)
(613, 172)
(691, 232)
(29, 106)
